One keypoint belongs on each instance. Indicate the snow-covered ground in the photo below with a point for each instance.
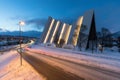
(6, 57)
(10, 68)
(108, 59)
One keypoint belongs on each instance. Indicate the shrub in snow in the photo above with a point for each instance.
(76, 48)
(42, 44)
(50, 45)
(68, 46)
(114, 48)
(100, 48)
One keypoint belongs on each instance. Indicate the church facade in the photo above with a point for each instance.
(81, 34)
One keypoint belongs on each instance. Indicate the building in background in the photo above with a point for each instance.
(87, 34)
(82, 34)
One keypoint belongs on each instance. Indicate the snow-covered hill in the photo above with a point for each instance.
(116, 34)
(3, 30)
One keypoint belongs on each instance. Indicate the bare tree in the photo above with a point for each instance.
(62, 41)
(56, 40)
(118, 42)
(83, 28)
(104, 38)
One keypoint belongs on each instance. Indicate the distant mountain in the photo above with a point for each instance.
(3, 30)
(116, 34)
(36, 34)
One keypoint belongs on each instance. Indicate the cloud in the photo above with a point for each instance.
(40, 23)
(37, 22)
(1, 29)
(19, 18)
(68, 20)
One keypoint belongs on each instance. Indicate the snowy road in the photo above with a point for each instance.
(60, 69)
(48, 71)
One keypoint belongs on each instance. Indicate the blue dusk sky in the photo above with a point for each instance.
(36, 12)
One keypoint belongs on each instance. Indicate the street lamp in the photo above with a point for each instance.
(21, 23)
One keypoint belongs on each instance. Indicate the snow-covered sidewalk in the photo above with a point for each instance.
(108, 60)
(10, 68)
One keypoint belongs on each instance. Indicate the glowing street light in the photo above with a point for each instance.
(21, 23)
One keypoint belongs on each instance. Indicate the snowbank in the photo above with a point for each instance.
(11, 69)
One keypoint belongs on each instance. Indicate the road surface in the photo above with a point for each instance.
(60, 69)
(52, 73)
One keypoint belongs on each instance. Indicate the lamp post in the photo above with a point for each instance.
(21, 23)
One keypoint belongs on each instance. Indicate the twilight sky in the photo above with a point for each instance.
(36, 12)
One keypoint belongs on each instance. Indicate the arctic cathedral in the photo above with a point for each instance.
(81, 34)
